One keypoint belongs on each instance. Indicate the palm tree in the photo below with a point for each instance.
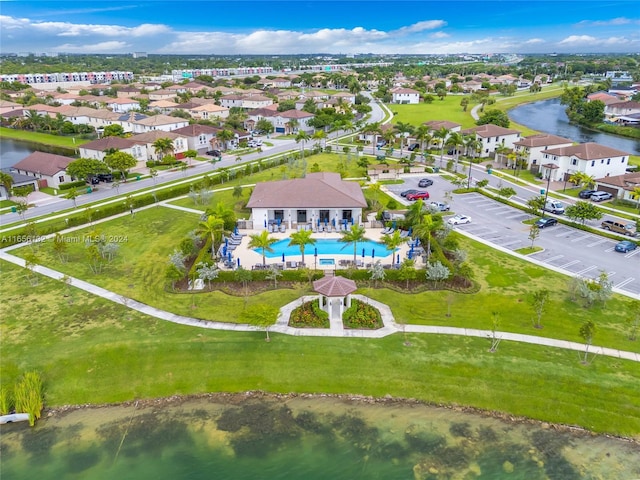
(414, 213)
(635, 193)
(423, 136)
(455, 141)
(393, 241)
(163, 146)
(214, 227)
(302, 238)
(224, 136)
(320, 135)
(262, 241)
(6, 181)
(424, 230)
(373, 129)
(582, 179)
(292, 125)
(403, 128)
(501, 151)
(301, 138)
(354, 235)
(441, 135)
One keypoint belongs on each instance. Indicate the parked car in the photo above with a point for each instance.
(619, 227)
(94, 180)
(418, 196)
(105, 177)
(600, 196)
(626, 246)
(254, 143)
(439, 206)
(408, 192)
(554, 206)
(214, 153)
(459, 220)
(546, 222)
(425, 182)
(381, 143)
(586, 193)
(413, 146)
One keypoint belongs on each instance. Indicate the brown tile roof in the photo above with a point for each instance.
(542, 140)
(195, 129)
(153, 135)
(627, 181)
(316, 190)
(335, 286)
(490, 130)
(106, 143)
(296, 114)
(587, 151)
(44, 163)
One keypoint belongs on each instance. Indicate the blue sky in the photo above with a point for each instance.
(330, 26)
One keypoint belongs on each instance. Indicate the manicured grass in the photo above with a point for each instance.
(447, 109)
(43, 138)
(95, 351)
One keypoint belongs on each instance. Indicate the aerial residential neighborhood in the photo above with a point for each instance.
(260, 252)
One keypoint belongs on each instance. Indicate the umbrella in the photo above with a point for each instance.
(278, 222)
(229, 256)
(315, 252)
(363, 253)
(410, 230)
(235, 230)
(265, 223)
(351, 220)
(318, 222)
(283, 256)
(226, 242)
(333, 222)
(373, 253)
(224, 250)
(238, 262)
(398, 259)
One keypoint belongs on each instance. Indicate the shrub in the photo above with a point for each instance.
(70, 185)
(309, 315)
(362, 316)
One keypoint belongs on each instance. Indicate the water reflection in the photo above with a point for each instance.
(240, 437)
(549, 116)
(12, 151)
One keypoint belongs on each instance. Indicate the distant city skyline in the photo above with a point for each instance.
(264, 27)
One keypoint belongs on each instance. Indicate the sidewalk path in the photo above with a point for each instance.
(281, 324)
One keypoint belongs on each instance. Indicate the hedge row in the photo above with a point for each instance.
(70, 185)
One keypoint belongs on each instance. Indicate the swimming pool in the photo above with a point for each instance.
(328, 246)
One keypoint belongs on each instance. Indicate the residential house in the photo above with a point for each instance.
(385, 172)
(19, 180)
(159, 122)
(530, 148)
(180, 143)
(256, 101)
(232, 100)
(620, 186)
(100, 148)
(209, 111)
(275, 83)
(319, 198)
(254, 116)
(163, 106)
(122, 105)
(493, 136)
(405, 95)
(292, 121)
(621, 109)
(590, 158)
(48, 168)
(199, 137)
(128, 91)
(162, 94)
(604, 97)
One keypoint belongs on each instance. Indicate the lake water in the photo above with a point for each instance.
(12, 151)
(549, 116)
(243, 437)
(328, 246)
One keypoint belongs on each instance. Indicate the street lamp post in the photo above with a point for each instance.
(550, 167)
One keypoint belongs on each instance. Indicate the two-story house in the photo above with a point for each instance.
(530, 148)
(590, 158)
(492, 137)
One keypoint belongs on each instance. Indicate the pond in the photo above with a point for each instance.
(12, 151)
(250, 436)
(549, 116)
(328, 246)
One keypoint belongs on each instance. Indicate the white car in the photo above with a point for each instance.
(459, 220)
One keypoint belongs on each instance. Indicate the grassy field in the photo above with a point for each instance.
(95, 351)
(43, 138)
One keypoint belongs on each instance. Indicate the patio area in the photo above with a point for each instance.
(249, 259)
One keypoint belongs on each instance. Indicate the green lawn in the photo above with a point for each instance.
(43, 138)
(95, 351)
(447, 109)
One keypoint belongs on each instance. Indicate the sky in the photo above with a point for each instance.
(268, 27)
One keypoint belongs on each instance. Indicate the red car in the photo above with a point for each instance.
(417, 195)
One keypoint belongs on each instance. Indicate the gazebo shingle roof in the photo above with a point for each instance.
(334, 286)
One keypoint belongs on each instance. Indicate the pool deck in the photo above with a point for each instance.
(249, 258)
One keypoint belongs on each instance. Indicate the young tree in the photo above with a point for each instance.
(507, 192)
(437, 272)
(273, 274)
(534, 233)
(122, 162)
(587, 332)
(583, 211)
(207, 272)
(60, 247)
(539, 301)
(244, 276)
(84, 168)
(495, 324)
(633, 320)
(262, 316)
(376, 272)
(407, 271)
(535, 205)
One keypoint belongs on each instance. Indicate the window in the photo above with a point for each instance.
(574, 161)
(601, 161)
(593, 163)
(61, 179)
(608, 161)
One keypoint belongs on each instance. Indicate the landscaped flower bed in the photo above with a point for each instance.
(309, 315)
(361, 315)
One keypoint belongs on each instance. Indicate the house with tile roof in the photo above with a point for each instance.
(158, 122)
(19, 180)
(493, 136)
(405, 95)
(98, 148)
(530, 148)
(199, 137)
(620, 186)
(319, 197)
(122, 105)
(180, 144)
(292, 121)
(209, 111)
(590, 158)
(48, 168)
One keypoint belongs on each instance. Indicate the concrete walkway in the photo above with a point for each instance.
(281, 325)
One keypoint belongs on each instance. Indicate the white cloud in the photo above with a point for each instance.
(65, 29)
(103, 47)
(589, 41)
(533, 41)
(606, 23)
(439, 35)
(420, 27)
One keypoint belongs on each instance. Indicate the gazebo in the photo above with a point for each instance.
(334, 295)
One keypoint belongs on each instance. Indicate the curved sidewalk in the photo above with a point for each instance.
(281, 326)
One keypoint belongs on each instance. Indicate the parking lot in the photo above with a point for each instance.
(570, 250)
